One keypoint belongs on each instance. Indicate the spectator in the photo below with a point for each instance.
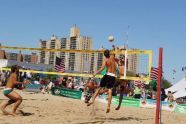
(64, 82)
(24, 76)
(70, 84)
(3, 78)
(89, 90)
(149, 95)
(170, 97)
(130, 94)
(143, 94)
(60, 80)
(163, 95)
(137, 92)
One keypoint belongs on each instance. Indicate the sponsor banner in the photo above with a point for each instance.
(180, 108)
(126, 102)
(148, 103)
(66, 92)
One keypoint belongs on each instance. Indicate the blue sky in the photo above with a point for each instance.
(153, 24)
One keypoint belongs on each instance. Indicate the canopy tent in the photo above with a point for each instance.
(180, 93)
(178, 86)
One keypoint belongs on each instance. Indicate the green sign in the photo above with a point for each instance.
(180, 108)
(127, 102)
(66, 92)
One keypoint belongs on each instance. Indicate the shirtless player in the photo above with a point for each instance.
(12, 95)
(108, 79)
(122, 83)
(89, 90)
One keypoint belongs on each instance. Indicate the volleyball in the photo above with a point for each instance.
(111, 38)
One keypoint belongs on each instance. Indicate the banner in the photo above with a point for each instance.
(66, 92)
(180, 108)
(126, 102)
(149, 103)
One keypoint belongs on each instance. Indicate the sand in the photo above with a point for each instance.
(49, 109)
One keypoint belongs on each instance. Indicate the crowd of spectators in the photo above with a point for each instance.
(47, 81)
(78, 83)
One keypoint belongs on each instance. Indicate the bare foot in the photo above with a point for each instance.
(117, 108)
(5, 112)
(90, 103)
(108, 110)
(13, 114)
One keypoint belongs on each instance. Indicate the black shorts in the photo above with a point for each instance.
(108, 81)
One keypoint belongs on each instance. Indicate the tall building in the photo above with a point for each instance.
(42, 54)
(78, 62)
(133, 63)
(132, 60)
(47, 57)
(96, 61)
(74, 31)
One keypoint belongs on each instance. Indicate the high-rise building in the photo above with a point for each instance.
(132, 60)
(78, 62)
(74, 61)
(74, 31)
(96, 61)
(42, 54)
(47, 57)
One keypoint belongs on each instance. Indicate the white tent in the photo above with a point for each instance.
(178, 86)
(179, 89)
(180, 93)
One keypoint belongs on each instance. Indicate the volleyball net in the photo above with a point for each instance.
(81, 63)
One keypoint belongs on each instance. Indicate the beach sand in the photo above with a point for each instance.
(49, 109)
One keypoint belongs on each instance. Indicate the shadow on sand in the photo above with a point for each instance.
(25, 113)
(101, 120)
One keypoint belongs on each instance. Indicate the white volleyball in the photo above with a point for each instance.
(111, 38)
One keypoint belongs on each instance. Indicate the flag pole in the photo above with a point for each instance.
(157, 119)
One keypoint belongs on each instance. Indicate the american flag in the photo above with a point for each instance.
(59, 65)
(153, 76)
(154, 73)
(139, 83)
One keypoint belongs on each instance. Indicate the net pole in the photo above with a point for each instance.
(125, 66)
(157, 119)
